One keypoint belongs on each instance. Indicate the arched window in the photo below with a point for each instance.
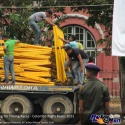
(83, 36)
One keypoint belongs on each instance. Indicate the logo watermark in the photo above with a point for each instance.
(105, 119)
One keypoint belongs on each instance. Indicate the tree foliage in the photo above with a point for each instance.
(100, 11)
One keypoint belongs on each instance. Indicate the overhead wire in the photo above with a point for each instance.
(58, 6)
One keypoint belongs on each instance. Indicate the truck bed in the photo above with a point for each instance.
(14, 88)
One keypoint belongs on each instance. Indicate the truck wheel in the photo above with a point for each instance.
(16, 108)
(57, 108)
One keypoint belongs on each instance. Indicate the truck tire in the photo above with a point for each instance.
(58, 107)
(14, 106)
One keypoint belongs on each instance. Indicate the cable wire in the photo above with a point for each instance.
(58, 6)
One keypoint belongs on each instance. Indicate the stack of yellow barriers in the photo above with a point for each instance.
(38, 65)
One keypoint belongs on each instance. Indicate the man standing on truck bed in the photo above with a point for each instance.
(72, 43)
(94, 97)
(38, 17)
(79, 58)
(9, 58)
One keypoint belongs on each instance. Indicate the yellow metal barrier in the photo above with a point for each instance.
(36, 64)
(32, 64)
(60, 54)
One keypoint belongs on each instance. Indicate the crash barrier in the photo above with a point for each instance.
(60, 54)
(38, 64)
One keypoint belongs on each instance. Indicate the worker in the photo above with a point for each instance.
(48, 43)
(80, 46)
(94, 98)
(38, 17)
(71, 42)
(91, 61)
(78, 57)
(9, 58)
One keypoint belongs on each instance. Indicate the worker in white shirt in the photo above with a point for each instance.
(38, 17)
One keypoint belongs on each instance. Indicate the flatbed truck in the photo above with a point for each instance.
(30, 102)
(21, 104)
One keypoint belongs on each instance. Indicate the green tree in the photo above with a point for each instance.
(100, 12)
(14, 15)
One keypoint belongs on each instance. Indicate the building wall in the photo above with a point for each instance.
(106, 63)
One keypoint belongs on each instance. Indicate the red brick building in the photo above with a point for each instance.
(74, 23)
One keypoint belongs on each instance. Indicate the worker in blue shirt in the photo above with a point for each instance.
(71, 42)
